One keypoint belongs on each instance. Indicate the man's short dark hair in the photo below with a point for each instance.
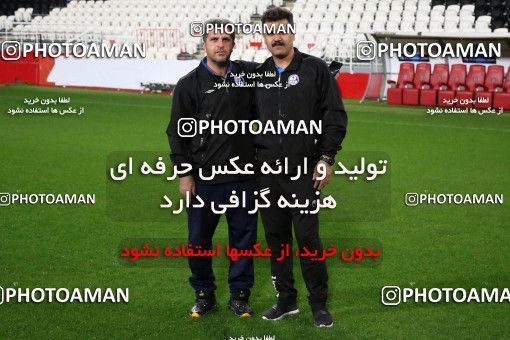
(275, 13)
(221, 26)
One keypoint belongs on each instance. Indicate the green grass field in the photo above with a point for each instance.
(77, 246)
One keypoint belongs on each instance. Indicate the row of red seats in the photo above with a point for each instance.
(457, 87)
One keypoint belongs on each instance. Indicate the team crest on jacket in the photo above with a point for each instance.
(239, 81)
(293, 79)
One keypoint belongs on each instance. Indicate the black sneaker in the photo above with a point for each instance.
(322, 318)
(241, 308)
(204, 303)
(276, 313)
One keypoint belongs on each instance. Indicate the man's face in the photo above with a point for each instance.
(279, 44)
(218, 47)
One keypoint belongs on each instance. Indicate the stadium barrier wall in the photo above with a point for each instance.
(126, 74)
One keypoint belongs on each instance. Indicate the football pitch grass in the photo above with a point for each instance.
(77, 246)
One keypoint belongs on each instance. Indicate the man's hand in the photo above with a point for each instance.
(322, 170)
(187, 184)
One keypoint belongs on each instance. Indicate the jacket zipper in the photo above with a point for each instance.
(280, 105)
(202, 139)
(224, 81)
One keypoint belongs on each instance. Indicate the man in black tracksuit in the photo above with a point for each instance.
(197, 96)
(308, 93)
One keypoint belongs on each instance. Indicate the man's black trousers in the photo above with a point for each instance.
(278, 231)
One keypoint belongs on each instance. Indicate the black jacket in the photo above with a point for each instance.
(196, 97)
(312, 94)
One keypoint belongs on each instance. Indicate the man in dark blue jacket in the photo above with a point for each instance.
(197, 98)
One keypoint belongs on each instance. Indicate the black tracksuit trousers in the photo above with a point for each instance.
(278, 231)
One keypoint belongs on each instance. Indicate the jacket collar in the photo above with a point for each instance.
(294, 64)
(204, 67)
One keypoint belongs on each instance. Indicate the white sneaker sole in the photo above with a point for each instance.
(292, 312)
(325, 325)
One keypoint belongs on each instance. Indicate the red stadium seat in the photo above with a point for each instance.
(474, 82)
(446, 94)
(405, 78)
(493, 79)
(502, 94)
(439, 77)
(410, 96)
